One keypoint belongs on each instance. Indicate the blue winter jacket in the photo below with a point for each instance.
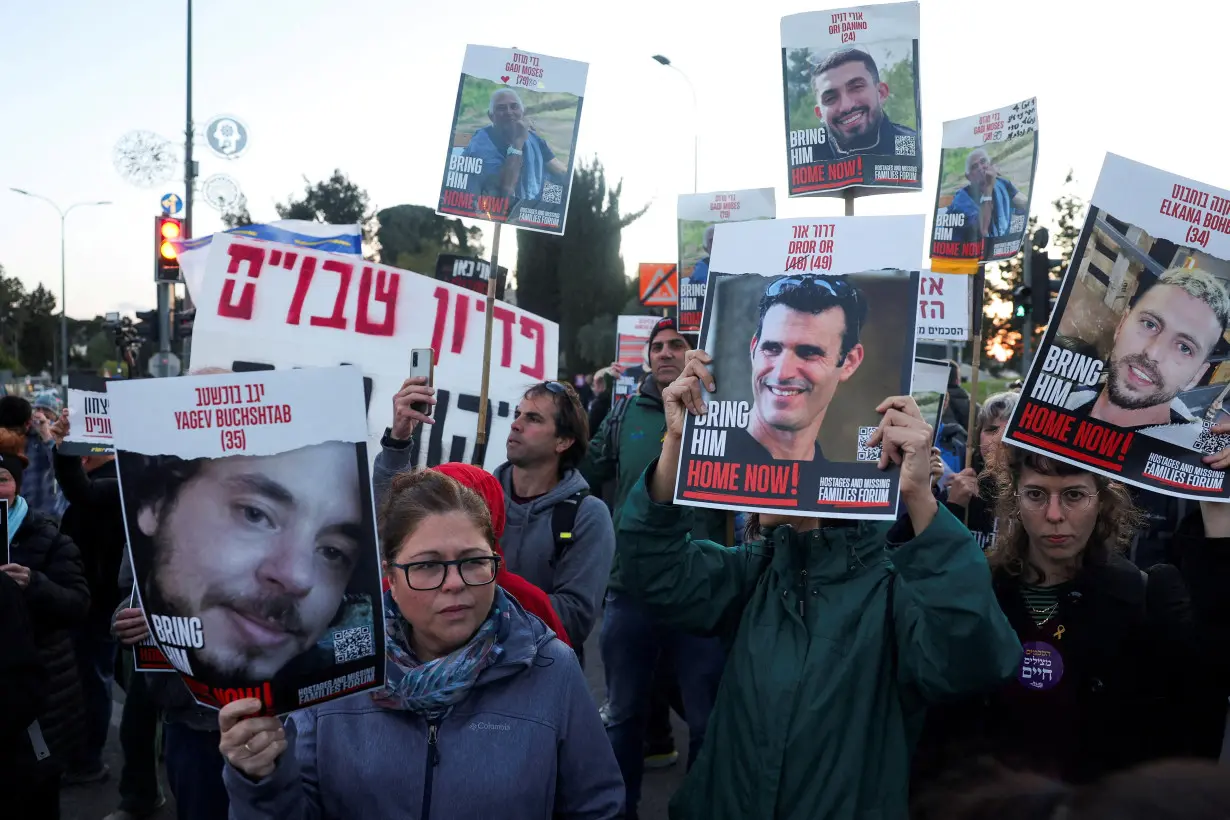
(527, 744)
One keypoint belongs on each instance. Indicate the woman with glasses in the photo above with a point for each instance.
(1106, 646)
(484, 713)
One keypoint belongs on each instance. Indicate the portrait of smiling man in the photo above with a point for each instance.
(261, 549)
(1162, 347)
(850, 101)
(805, 346)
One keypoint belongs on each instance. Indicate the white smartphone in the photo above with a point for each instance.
(422, 362)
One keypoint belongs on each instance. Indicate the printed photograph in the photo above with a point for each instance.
(1002, 171)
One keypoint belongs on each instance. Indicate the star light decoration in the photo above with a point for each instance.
(145, 159)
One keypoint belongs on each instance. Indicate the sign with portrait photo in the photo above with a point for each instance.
(89, 431)
(987, 166)
(1134, 367)
(850, 80)
(513, 140)
(146, 656)
(810, 324)
(699, 215)
(251, 531)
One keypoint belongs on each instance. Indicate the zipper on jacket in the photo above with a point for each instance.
(803, 596)
(433, 758)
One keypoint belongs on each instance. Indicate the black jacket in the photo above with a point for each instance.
(94, 521)
(58, 600)
(22, 685)
(1128, 645)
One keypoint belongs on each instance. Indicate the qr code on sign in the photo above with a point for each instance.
(866, 453)
(904, 146)
(551, 193)
(352, 644)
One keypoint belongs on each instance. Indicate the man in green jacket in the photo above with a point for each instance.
(633, 643)
(840, 632)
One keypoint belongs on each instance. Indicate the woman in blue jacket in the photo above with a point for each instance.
(485, 713)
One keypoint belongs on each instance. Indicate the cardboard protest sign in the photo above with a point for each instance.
(469, 272)
(633, 334)
(267, 305)
(853, 114)
(698, 216)
(146, 656)
(251, 531)
(801, 359)
(513, 140)
(1131, 372)
(943, 307)
(89, 431)
(987, 166)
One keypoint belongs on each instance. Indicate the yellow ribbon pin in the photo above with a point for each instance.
(1059, 632)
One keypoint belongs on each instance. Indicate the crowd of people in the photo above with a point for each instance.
(1027, 640)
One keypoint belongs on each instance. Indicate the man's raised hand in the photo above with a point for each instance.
(686, 393)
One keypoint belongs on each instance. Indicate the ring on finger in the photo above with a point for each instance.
(249, 748)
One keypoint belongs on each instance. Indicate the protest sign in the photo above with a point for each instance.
(251, 531)
(698, 215)
(267, 305)
(469, 272)
(829, 339)
(513, 139)
(986, 175)
(89, 423)
(852, 105)
(1132, 371)
(146, 656)
(943, 307)
(194, 253)
(633, 334)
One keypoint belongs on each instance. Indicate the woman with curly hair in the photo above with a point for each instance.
(1107, 647)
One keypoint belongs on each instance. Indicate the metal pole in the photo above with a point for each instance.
(480, 442)
(189, 165)
(848, 196)
(63, 308)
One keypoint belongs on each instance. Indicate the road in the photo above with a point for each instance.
(95, 802)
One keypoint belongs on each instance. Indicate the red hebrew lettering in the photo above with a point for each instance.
(387, 283)
(931, 310)
(460, 314)
(506, 318)
(933, 286)
(301, 288)
(275, 257)
(533, 329)
(437, 332)
(289, 261)
(254, 256)
(338, 319)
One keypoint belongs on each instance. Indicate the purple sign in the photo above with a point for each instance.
(1041, 666)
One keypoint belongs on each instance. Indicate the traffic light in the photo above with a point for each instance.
(147, 325)
(1021, 301)
(166, 258)
(183, 323)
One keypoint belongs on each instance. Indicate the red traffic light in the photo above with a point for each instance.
(166, 258)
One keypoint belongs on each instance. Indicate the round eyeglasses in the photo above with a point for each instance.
(1035, 500)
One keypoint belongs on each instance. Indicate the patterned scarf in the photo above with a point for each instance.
(432, 688)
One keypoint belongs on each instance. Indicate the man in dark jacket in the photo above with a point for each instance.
(632, 641)
(46, 565)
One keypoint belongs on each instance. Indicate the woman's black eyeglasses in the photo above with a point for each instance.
(429, 575)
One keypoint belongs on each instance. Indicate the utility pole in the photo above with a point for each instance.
(189, 164)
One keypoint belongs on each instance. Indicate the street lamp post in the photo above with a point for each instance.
(663, 60)
(63, 212)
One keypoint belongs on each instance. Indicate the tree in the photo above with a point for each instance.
(335, 201)
(1001, 329)
(575, 278)
(412, 236)
(237, 217)
(12, 297)
(39, 331)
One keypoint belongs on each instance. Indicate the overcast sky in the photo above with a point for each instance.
(368, 86)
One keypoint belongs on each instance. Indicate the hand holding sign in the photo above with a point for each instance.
(19, 574)
(684, 395)
(250, 744)
(130, 626)
(905, 440)
(964, 486)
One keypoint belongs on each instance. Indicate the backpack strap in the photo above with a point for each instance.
(563, 519)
